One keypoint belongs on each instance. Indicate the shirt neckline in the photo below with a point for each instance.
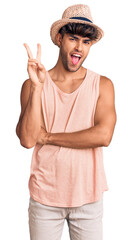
(64, 93)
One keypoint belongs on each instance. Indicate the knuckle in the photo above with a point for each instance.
(32, 60)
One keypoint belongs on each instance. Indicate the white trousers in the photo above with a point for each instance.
(84, 223)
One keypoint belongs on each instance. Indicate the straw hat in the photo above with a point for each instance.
(78, 13)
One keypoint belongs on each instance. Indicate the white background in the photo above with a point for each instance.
(30, 21)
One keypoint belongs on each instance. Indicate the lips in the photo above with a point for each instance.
(76, 53)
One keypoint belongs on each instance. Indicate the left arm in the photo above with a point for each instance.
(104, 123)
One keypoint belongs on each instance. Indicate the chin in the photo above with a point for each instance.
(76, 67)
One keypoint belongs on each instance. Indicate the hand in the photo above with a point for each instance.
(35, 68)
(42, 137)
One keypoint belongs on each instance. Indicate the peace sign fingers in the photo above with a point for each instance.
(35, 68)
(30, 55)
(38, 57)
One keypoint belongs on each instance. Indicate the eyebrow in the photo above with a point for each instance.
(78, 38)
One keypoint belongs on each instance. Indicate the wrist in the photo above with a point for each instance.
(48, 138)
(36, 87)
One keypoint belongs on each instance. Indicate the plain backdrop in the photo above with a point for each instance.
(29, 22)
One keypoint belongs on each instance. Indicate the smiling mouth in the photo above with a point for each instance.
(75, 60)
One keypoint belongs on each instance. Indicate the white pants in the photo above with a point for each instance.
(46, 222)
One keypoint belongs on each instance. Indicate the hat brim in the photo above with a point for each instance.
(55, 27)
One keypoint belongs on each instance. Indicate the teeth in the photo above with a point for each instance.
(76, 55)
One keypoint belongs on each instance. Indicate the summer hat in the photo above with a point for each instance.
(78, 13)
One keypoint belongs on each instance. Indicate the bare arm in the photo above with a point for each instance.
(104, 122)
(30, 120)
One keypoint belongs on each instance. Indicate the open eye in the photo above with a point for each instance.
(88, 42)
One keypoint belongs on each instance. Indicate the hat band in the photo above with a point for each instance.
(82, 18)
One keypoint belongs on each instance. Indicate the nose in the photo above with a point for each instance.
(78, 46)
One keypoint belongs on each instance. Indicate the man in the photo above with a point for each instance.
(68, 115)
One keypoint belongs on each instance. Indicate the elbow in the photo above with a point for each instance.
(26, 144)
(25, 141)
(107, 140)
(106, 143)
(108, 136)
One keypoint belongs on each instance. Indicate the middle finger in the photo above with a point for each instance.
(38, 52)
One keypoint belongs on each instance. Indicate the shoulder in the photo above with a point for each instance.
(25, 87)
(24, 95)
(25, 92)
(26, 83)
(106, 86)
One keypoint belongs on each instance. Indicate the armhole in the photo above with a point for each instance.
(98, 85)
(97, 89)
(96, 92)
(43, 116)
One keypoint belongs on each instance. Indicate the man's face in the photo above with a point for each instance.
(73, 44)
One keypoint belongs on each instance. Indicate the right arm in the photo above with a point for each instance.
(31, 117)
(30, 120)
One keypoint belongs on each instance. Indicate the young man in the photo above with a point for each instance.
(68, 115)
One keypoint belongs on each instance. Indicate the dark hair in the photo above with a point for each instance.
(84, 30)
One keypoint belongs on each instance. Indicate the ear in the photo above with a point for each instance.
(58, 39)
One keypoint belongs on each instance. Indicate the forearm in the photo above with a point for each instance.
(89, 138)
(31, 121)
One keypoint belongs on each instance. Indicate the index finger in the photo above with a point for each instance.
(30, 55)
(38, 57)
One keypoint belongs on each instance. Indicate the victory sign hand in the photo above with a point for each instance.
(35, 68)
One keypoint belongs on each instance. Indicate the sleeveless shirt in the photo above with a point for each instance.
(61, 176)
